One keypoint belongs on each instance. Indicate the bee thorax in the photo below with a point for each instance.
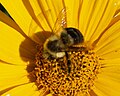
(66, 39)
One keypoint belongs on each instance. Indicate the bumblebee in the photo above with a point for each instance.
(62, 38)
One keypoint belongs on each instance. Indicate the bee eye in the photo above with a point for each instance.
(75, 34)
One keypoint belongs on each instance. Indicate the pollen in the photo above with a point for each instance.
(67, 77)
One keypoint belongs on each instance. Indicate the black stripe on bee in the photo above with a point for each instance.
(75, 34)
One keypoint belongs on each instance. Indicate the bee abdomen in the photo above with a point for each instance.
(75, 34)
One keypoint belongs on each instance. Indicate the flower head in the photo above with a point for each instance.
(62, 47)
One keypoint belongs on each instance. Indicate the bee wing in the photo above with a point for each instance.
(34, 27)
(60, 22)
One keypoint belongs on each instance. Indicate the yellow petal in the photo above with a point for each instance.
(47, 19)
(19, 13)
(73, 11)
(30, 10)
(101, 13)
(118, 9)
(26, 89)
(118, 1)
(109, 79)
(50, 10)
(107, 86)
(98, 92)
(47, 15)
(85, 14)
(113, 26)
(110, 33)
(35, 6)
(32, 25)
(9, 70)
(4, 18)
(110, 52)
(111, 69)
(108, 46)
(12, 75)
(106, 18)
(92, 93)
(111, 62)
(11, 46)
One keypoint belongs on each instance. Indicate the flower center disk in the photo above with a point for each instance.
(65, 77)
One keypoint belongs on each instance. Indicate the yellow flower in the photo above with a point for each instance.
(94, 70)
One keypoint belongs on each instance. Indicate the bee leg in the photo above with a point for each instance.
(68, 63)
(69, 67)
